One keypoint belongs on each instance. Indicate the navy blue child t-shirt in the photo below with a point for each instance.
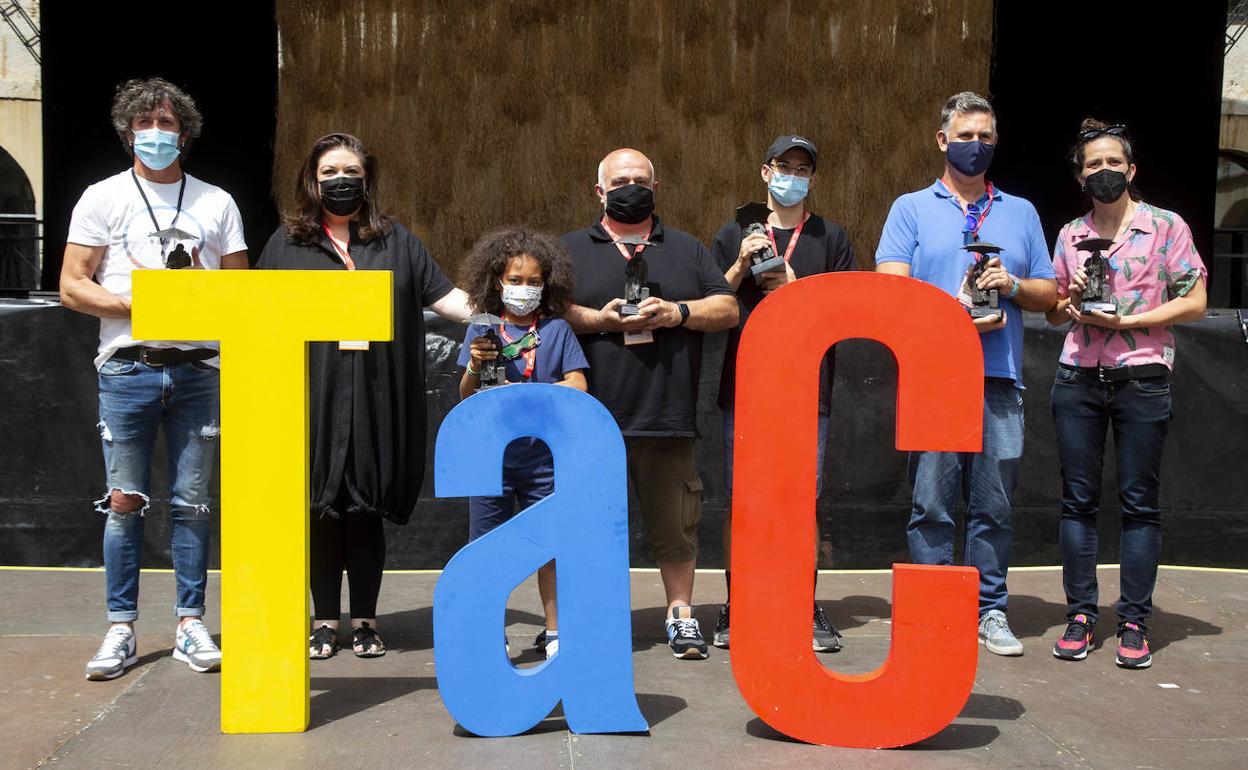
(557, 353)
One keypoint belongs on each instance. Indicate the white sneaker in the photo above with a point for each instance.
(117, 652)
(193, 645)
(552, 647)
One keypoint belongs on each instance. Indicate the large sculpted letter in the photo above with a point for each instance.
(931, 667)
(264, 321)
(583, 525)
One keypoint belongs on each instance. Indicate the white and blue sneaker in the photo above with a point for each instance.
(684, 635)
(117, 652)
(193, 645)
(995, 634)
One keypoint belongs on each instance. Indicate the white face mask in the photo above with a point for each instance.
(521, 300)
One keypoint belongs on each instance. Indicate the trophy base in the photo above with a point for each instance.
(1087, 308)
(629, 310)
(773, 265)
(983, 312)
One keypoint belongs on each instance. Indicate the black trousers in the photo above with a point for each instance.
(355, 542)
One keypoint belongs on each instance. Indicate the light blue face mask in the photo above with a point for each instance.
(155, 148)
(788, 189)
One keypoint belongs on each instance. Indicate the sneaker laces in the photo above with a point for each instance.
(686, 627)
(995, 621)
(1076, 631)
(821, 620)
(116, 642)
(198, 633)
(1132, 637)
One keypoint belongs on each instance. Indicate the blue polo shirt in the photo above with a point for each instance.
(924, 230)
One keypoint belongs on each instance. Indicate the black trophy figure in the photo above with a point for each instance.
(494, 371)
(178, 258)
(635, 276)
(1095, 294)
(983, 302)
(752, 217)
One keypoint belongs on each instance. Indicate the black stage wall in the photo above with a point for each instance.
(225, 56)
(50, 467)
(1160, 73)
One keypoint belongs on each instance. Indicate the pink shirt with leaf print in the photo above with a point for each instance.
(1151, 263)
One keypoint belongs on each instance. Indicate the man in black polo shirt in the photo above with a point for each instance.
(645, 367)
(809, 245)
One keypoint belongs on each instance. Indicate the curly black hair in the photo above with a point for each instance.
(482, 269)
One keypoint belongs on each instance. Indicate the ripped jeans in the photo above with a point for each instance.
(136, 400)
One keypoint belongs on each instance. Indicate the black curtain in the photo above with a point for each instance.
(223, 56)
(1158, 71)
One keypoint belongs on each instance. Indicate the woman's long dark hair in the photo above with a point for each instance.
(482, 270)
(304, 223)
(1077, 151)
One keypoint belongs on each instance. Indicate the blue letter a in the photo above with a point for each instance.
(583, 526)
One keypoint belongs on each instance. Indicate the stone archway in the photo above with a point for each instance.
(19, 228)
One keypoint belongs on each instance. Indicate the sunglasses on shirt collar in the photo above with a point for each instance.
(1092, 133)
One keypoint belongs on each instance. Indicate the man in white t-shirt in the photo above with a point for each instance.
(152, 216)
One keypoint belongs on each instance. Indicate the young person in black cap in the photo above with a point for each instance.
(809, 245)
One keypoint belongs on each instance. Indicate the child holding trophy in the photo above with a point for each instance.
(519, 282)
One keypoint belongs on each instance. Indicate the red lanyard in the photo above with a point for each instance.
(530, 355)
(342, 252)
(797, 233)
(627, 256)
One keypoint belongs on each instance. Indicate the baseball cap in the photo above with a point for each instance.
(783, 144)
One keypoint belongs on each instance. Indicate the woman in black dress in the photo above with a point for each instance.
(366, 398)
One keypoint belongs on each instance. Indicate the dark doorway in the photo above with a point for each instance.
(19, 229)
(226, 59)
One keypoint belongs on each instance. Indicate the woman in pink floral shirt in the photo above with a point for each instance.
(1115, 371)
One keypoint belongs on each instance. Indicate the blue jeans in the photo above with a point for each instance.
(985, 481)
(135, 401)
(729, 425)
(1139, 412)
(528, 476)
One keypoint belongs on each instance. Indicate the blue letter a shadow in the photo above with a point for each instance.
(583, 525)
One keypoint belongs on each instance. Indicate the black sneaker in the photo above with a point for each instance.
(826, 637)
(720, 639)
(684, 635)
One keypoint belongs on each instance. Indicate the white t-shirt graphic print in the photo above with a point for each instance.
(111, 213)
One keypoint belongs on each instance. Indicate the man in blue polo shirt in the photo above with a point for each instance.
(923, 238)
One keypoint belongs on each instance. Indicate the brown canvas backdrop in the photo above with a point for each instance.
(497, 112)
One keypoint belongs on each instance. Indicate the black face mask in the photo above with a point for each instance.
(1106, 185)
(630, 204)
(342, 195)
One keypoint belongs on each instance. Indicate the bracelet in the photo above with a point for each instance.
(471, 371)
(1014, 290)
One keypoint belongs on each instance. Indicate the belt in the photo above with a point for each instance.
(162, 356)
(1121, 373)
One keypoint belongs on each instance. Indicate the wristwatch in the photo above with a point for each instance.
(684, 313)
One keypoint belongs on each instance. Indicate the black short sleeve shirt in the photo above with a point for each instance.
(822, 247)
(651, 389)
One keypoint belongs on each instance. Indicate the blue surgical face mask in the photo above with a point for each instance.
(788, 189)
(155, 148)
(970, 158)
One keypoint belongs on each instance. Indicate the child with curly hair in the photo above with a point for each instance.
(525, 278)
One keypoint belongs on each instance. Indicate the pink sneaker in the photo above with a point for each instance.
(1075, 642)
(1133, 647)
